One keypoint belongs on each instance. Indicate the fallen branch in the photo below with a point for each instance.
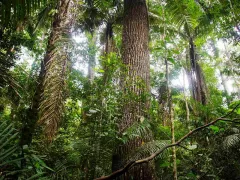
(177, 143)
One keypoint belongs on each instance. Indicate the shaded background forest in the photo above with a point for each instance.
(87, 86)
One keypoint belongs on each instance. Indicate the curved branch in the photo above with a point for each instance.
(177, 143)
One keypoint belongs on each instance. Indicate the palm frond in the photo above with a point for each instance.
(17, 11)
(52, 105)
(11, 155)
(42, 16)
(8, 134)
(8, 148)
(185, 17)
(138, 129)
(231, 141)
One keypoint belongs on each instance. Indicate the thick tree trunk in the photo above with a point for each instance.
(136, 85)
(136, 58)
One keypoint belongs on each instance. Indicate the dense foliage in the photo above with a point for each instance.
(90, 86)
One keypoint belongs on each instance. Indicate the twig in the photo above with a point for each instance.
(151, 157)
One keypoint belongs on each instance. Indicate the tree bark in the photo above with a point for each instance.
(135, 57)
(223, 79)
(198, 85)
(171, 119)
(163, 103)
(135, 85)
(185, 99)
(92, 39)
(109, 48)
(174, 154)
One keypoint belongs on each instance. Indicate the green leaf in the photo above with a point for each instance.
(171, 60)
(36, 176)
(238, 111)
(165, 164)
(215, 129)
(101, 71)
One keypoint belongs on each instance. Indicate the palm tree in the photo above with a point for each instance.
(188, 20)
(15, 17)
(54, 69)
(192, 22)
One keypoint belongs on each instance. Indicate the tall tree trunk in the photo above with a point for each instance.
(174, 154)
(199, 89)
(171, 119)
(92, 39)
(223, 79)
(54, 69)
(163, 103)
(61, 26)
(185, 98)
(94, 142)
(136, 85)
(108, 49)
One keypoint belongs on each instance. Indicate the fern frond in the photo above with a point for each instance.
(181, 17)
(42, 16)
(8, 136)
(147, 149)
(138, 129)
(231, 141)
